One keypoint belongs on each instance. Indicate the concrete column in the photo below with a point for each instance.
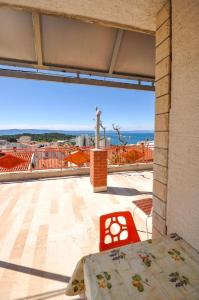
(98, 170)
(163, 87)
(183, 175)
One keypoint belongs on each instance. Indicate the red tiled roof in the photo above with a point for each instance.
(133, 155)
(145, 205)
(78, 158)
(15, 161)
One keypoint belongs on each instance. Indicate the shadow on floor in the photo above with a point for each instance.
(46, 295)
(34, 272)
(123, 191)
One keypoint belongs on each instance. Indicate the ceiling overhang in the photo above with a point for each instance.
(52, 43)
(125, 14)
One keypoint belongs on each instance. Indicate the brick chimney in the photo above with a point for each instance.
(98, 170)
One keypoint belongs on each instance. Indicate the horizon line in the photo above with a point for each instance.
(93, 130)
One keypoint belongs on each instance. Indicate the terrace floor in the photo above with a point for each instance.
(46, 226)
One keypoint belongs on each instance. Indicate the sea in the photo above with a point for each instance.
(131, 137)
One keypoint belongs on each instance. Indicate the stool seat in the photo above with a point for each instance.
(117, 229)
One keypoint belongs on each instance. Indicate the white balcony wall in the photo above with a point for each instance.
(183, 176)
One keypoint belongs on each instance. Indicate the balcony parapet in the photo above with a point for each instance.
(52, 173)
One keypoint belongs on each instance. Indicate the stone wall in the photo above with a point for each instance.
(162, 74)
(183, 182)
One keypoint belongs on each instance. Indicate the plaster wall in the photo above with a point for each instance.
(183, 170)
(162, 88)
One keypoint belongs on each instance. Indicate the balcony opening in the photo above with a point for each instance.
(50, 217)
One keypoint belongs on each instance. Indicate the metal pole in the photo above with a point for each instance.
(97, 132)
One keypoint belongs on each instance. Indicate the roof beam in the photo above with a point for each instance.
(116, 50)
(77, 80)
(37, 37)
(48, 67)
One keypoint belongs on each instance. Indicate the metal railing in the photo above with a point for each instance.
(12, 160)
(121, 155)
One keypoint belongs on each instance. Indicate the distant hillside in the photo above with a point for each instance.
(38, 137)
(67, 132)
(33, 131)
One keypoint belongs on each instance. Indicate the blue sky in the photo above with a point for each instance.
(44, 105)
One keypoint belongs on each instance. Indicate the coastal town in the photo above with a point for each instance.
(30, 152)
(50, 140)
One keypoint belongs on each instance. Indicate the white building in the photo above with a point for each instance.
(61, 142)
(3, 143)
(84, 141)
(24, 139)
(89, 141)
(105, 142)
(7, 145)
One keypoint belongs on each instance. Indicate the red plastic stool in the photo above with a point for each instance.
(117, 229)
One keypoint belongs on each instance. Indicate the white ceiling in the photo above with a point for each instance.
(74, 44)
(138, 14)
